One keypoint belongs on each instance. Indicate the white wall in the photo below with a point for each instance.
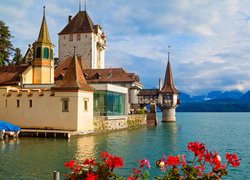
(46, 111)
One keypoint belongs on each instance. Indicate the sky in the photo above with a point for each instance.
(209, 39)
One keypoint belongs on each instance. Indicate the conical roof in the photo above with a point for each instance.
(168, 86)
(81, 23)
(74, 79)
(44, 33)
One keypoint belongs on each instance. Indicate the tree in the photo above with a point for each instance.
(6, 46)
(17, 57)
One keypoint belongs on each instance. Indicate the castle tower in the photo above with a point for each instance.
(169, 96)
(89, 40)
(43, 60)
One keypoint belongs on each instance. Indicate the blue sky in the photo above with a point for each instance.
(210, 40)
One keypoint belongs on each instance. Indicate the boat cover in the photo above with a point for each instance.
(8, 127)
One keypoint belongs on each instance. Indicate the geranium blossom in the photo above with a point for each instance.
(233, 159)
(143, 163)
(91, 176)
(177, 166)
(70, 164)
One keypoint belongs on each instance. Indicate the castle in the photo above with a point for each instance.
(76, 94)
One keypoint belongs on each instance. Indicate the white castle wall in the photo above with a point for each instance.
(46, 111)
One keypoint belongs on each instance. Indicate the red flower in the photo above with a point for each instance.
(173, 161)
(131, 178)
(70, 164)
(113, 162)
(233, 159)
(208, 156)
(90, 162)
(91, 176)
(104, 155)
(197, 148)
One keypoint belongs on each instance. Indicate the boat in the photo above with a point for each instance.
(8, 129)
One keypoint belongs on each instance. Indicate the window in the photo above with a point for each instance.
(38, 52)
(71, 37)
(109, 103)
(85, 104)
(65, 104)
(51, 54)
(6, 102)
(18, 103)
(46, 53)
(78, 37)
(30, 103)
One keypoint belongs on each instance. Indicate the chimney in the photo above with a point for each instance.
(70, 17)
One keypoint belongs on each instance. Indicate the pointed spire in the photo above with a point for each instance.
(85, 5)
(168, 86)
(44, 33)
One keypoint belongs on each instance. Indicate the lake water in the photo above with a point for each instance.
(37, 158)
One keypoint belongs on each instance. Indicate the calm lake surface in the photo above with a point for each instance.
(32, 158)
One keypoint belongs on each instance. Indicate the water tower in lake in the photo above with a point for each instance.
(166, 98)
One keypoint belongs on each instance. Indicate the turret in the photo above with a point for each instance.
(170, 96)
(43, 60)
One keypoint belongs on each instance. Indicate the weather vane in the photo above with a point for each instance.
(169, 51)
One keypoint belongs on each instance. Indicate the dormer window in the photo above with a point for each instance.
(97, 76)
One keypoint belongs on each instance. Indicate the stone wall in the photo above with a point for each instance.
(105, 124)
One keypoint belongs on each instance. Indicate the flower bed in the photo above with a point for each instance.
(205, 165)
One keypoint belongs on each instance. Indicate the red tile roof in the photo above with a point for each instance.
(81, 23)
(9, 75)
(114, 75)
(73, 79)
(168, 86)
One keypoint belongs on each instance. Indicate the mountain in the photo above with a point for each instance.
(216, 101)
(245, 97)
(234, 94)
(213, 94)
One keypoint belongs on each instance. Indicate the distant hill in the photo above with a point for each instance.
(245, 97)
(216, 101)
(235, 94)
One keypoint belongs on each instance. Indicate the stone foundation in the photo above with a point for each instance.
(105, 124)
(168, 115)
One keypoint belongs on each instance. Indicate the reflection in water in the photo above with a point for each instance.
(85, 147)
(37, 158)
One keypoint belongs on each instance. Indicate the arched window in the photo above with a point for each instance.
(51, 54)
(38, 52)
(46, 53)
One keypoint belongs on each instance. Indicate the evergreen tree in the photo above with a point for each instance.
(6, 46)
(17, 57)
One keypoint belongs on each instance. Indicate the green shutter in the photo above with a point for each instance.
(46, 53)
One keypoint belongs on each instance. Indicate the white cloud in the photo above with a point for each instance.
(210, 39)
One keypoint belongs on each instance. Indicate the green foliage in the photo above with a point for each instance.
(140, 111)
(6, 46)
(17, 57)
